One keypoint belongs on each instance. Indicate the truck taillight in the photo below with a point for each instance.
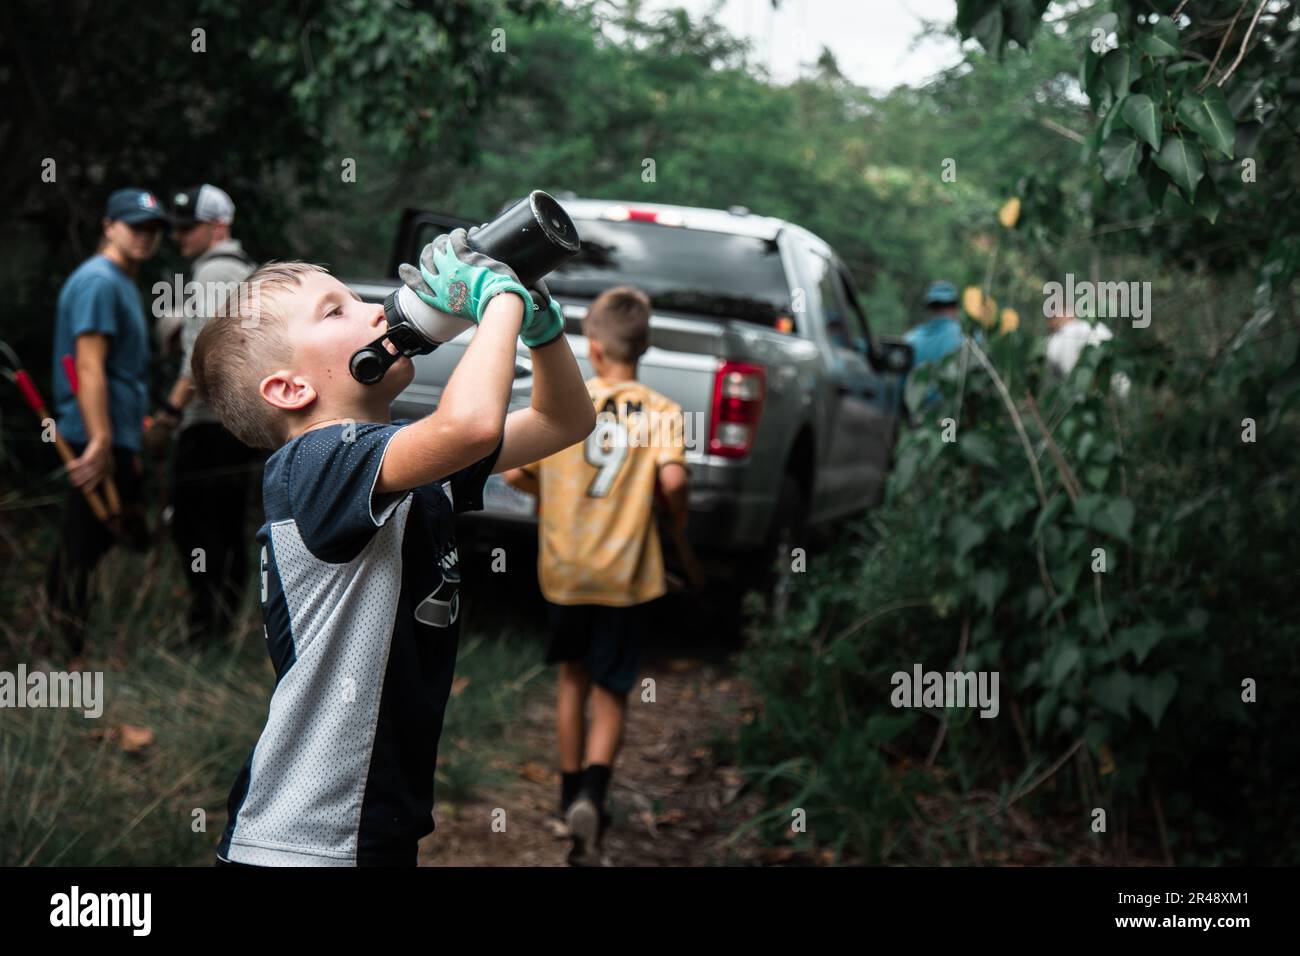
(738, 392)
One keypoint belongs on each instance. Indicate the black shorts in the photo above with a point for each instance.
(607, 640)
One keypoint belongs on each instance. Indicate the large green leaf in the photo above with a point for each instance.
(1153, 694)
(1108, 121)
(1113, 692)
(1120, 68)
(1112, 515)
(1091, 76)
(979, 449)
(1119, 158)
(1067, 657)
(1207, 114)
(1139, 639)
(968, 11)
(1183, 162)
(966, 534)
(1096, 476)
(1021, 19)
(1157, 183)
(1047, 516)
(987, 586)
(1161, 41)
(1140, 113)
(987, 29)
(1009, 507)
(1207, 202)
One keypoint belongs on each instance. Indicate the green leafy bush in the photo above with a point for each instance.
(1123, 576)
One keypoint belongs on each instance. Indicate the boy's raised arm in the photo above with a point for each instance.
(468, 421)
(561, 412)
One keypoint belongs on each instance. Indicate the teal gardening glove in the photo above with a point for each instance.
(461, 281)
(546, 323)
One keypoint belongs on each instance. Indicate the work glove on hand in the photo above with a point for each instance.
(546, 324)
(460, 281)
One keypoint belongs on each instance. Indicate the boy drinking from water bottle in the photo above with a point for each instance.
(600, 561)
(359, 567)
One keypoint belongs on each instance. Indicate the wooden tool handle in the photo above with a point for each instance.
(33, 398)
(110, 492)
(92, 496)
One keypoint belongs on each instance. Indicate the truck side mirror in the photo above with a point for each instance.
(891, 355)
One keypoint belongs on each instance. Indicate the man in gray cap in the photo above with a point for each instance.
(211, 473)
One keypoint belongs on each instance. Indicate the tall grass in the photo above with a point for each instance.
(71, 795)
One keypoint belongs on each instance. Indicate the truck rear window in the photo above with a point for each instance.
(682, 270)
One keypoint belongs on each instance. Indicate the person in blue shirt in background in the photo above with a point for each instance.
(940, 334)
(100, 324)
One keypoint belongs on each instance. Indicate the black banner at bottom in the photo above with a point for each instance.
(119, 906)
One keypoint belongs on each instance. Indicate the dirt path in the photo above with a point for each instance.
(672, 801)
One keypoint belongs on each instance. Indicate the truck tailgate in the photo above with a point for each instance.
(679, 364)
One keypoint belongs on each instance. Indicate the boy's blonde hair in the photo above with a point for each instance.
(239, 346)
(619, 319)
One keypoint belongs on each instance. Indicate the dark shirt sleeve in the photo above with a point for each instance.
(467, 484)
(331, 488)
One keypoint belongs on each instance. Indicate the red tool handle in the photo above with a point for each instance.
(33, 398)
(110, 486)
(28, 388)
(70, 372)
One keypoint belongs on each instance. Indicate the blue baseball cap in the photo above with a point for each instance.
(941, 293)
(134, 206)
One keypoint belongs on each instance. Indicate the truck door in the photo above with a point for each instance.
(860, 436)
(844, 469)
(877, 391)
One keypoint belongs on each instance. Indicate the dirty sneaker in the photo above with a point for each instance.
(585, 829)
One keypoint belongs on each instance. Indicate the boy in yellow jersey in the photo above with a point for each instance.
(599, 557)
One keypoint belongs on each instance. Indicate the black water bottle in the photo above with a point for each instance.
(533, 237)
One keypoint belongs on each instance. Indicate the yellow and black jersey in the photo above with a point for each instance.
(598, 541)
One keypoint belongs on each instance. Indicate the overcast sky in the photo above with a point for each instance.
(871, 39)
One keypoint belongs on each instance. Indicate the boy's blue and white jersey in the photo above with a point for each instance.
(360, 601)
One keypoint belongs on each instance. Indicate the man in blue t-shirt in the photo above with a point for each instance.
(100, 326)
(939, 335)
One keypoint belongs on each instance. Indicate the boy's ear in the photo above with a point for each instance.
(285, 390)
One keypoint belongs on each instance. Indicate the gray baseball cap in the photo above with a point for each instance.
(204, 203)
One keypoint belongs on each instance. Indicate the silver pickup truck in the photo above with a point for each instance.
(792, 403)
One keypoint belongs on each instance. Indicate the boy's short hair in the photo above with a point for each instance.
(239, 346)
(619, 319)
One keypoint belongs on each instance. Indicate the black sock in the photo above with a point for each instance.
(570, 784)
(595, 780)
